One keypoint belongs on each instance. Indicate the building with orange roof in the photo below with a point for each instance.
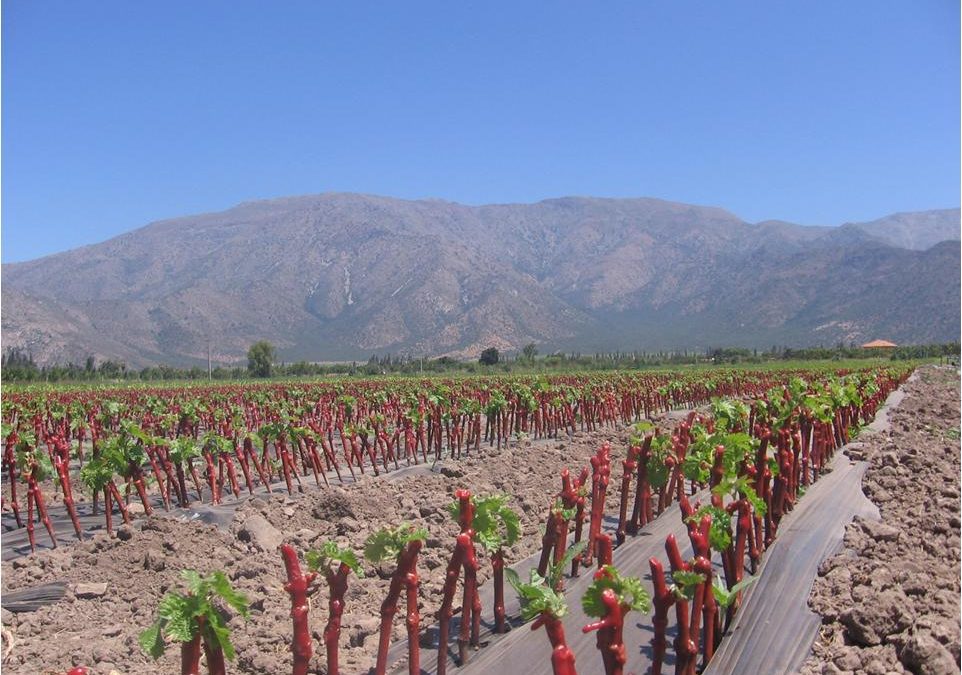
(879, 344)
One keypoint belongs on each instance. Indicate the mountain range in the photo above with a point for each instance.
(343, 276)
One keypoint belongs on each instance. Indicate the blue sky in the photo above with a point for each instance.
(115, 114)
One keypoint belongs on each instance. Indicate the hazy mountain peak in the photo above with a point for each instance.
(915, 230)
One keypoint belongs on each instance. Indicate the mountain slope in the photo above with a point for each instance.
(342, 276)
(917, 231)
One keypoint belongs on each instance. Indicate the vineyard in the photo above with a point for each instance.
(408, 525)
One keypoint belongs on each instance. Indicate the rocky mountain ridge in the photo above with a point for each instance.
(338, 276)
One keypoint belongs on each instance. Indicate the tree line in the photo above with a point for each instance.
(17, 365)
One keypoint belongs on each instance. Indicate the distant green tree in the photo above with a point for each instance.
(529, 351)
(112, 369)
(489, 356)
(260, 358)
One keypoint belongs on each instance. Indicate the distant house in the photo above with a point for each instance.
(879, 344)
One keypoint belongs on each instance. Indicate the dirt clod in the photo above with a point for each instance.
(878, 530)
(923, 654)
(260, 533)
(86, 591)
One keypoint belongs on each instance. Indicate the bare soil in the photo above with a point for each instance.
(145, 560)
(890, 599)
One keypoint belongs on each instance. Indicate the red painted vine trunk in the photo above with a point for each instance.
(10, 460)
(662, 600)
(610, 633)
(497, 564)
(297, 586)
(562, 658)
(600, 474)
(62, 464)
(337, 583)
(405, 576)
(463, 559)
(190, 653)
(604, 550)
(641, 511)
(215, 658)
(629, 465)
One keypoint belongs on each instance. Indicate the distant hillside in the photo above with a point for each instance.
(337, 276)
